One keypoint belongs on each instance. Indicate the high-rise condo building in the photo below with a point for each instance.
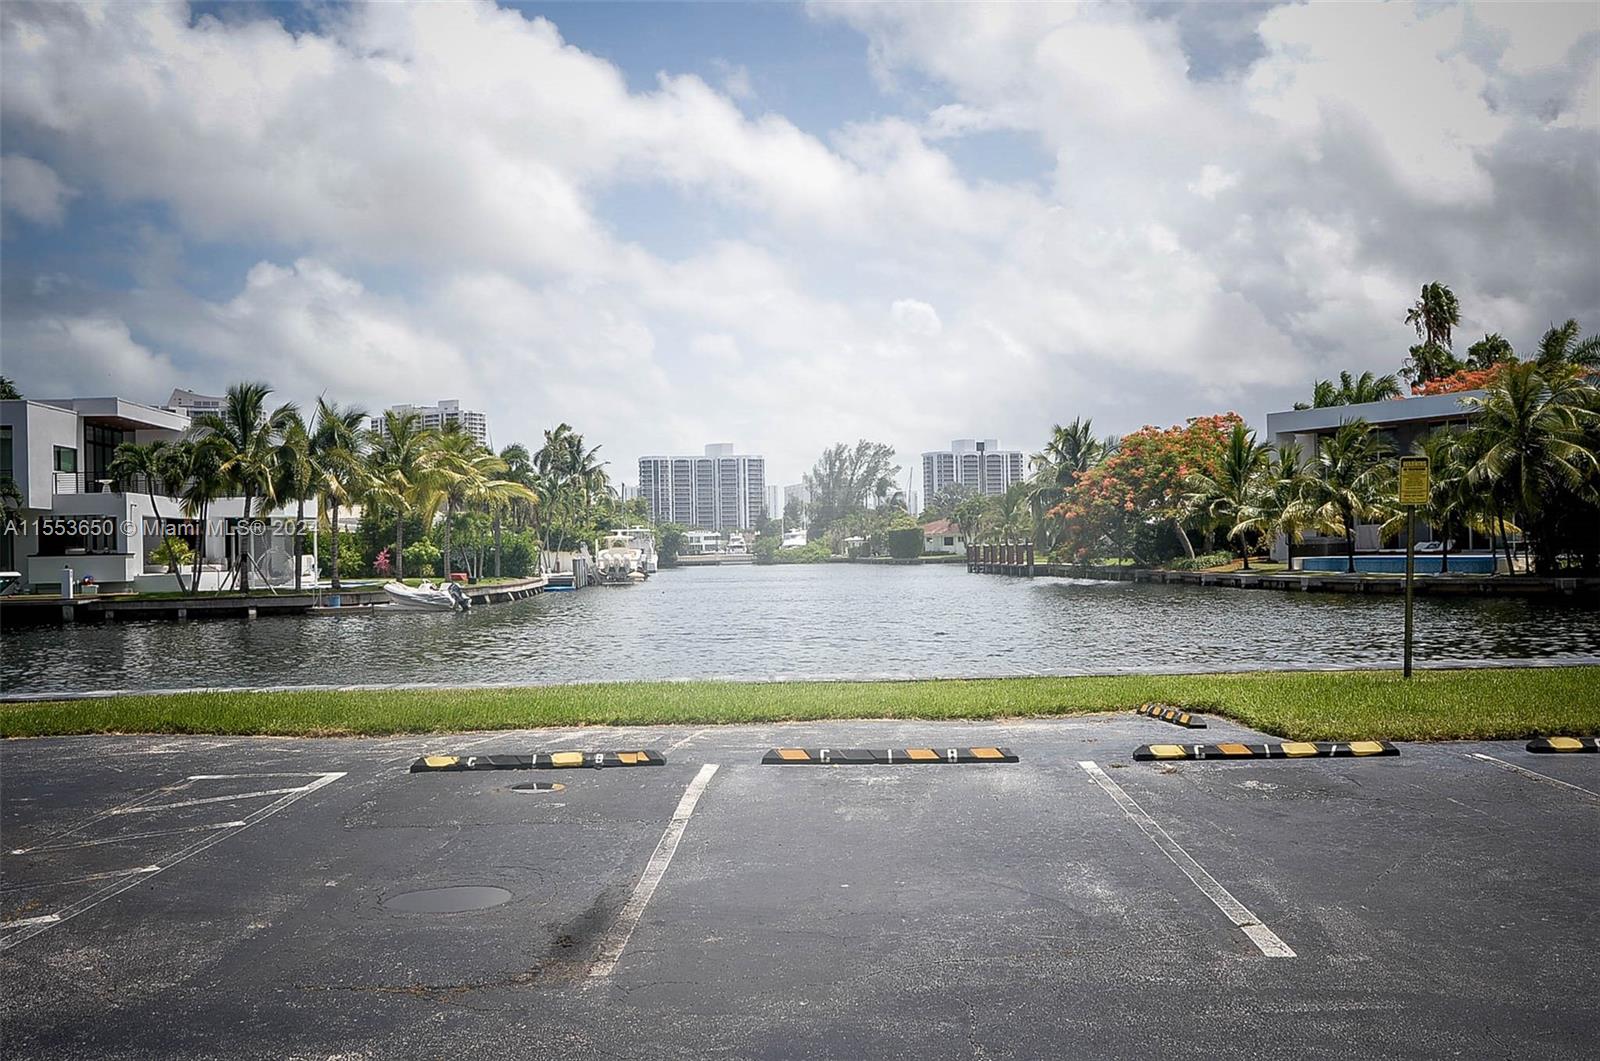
(979, 464)
(722, 490)
(439, 416)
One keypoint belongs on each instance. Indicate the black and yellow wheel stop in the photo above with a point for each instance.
(1165, 713)
(537, 761)
(1285, 750)
(1564, 744)
(886, 756)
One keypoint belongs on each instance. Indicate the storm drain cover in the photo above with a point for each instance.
(447, 900)
(539, 786)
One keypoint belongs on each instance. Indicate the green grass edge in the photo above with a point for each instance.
(1480, 704)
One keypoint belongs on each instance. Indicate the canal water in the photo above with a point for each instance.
(821, 621)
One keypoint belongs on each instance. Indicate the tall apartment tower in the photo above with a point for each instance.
(979, 464)
(438, 416)
(722, 490)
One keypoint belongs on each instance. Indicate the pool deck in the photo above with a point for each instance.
(207, 897)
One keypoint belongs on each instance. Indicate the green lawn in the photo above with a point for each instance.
(1314, 705)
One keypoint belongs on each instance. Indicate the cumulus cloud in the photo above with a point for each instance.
(31, 190)
(1230, 205)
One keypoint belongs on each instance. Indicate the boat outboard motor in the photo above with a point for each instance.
(459, 595)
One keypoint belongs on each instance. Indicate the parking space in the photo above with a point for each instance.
(253, 897)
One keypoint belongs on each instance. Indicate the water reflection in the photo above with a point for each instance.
(821, 621)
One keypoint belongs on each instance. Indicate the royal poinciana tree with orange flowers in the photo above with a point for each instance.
(1141, 485)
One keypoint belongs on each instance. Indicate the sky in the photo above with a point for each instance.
(783, 226)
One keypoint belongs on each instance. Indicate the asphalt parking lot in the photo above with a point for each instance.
(254, 897)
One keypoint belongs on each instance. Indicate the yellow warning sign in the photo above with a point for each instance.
(1414, 485)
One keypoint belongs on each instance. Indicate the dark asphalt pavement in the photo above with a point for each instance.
(228, 897)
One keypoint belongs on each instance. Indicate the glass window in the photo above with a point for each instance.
(66, 459)
(5, 454)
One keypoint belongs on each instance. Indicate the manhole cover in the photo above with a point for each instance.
(539, 786)
(446, 900)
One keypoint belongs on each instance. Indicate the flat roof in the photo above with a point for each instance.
(1428, 407)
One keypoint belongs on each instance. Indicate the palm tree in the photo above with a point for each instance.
(1530, 436)
(155, 463)
(1223, 497)
(1351, 482)
(1072, 449)
(402, 473)
(468, 474)
(338, 454)
(247, 435)
(1433, 315)
(1455, 503)
(1562, 346)
(1279, 506)
(1353, 390)
(296, 478)
(204, 481)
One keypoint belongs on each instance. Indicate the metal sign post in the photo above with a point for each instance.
(1414, 491)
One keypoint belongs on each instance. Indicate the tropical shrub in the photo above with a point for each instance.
(519, 554)
(905, 542)
(172, 552)
(422, 559)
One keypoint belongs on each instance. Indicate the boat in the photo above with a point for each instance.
(427, 597)
(618, 562)
(644, 540)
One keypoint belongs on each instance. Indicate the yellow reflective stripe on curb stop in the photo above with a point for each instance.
(1366, 747)
(1566, 744)
(1233, 749)
(566, 758)
(1295, 749)
(439, 762)
(986, 753)
(629, 758)
(1168, 751)
(921, 754)
(794, 755)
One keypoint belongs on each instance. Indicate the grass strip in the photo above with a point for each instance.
(1486, 704)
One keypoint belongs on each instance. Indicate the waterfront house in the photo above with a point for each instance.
(1403, 422)
(943, 536)
(73, 514)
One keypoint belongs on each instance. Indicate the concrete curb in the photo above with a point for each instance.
(537, 761)
(1163, 713)
(1564, 744)
(1285, 750)
(885, 756)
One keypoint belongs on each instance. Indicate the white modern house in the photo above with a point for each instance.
(1402, 422)
(73, 514)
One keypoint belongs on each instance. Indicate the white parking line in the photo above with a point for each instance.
(149, 808)
(124, 838)
(104, 875)
(23, 922)
(145, 873)
(1263, 937)
(1534, 774)
(675, 746)
(616, 939)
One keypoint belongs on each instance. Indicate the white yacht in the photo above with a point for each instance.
(618, 562)
(644, 540)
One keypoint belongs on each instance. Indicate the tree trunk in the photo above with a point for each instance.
(1505, 542)
(1244, 552)
(1444, 553)
(399, 546)
(333, 526)
(199, 553)
(449, 510)
(247, 544)
(299, 522)
(497, 541)
(1183, 536)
